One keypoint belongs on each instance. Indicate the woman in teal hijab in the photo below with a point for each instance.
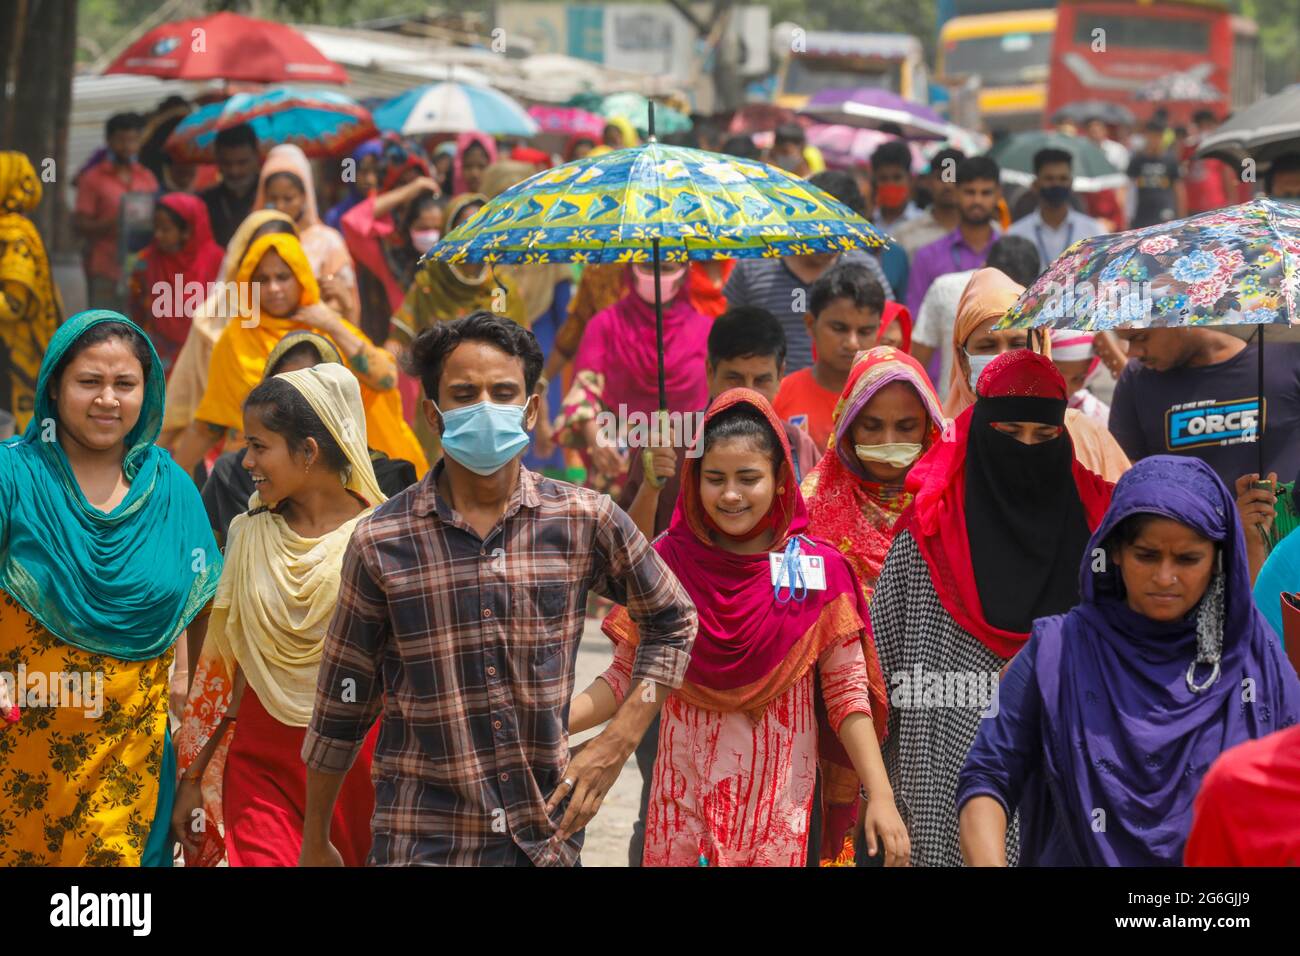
(106, 558)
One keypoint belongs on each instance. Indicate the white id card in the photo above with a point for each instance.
(813, 567)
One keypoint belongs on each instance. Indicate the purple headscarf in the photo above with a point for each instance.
(1122, 729)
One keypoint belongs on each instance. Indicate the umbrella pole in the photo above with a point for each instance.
(659, 330)
(1259, 425)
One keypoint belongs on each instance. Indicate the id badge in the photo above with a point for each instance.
(813, 567)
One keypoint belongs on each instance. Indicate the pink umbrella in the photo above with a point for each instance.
(568, 121)
(844, 147)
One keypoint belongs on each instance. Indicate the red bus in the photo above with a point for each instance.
(1114, 50)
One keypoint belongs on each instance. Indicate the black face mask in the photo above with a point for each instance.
(1024, 520)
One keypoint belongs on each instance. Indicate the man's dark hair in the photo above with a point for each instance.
(1050, 155)
(741, 146)
(1153, 126)
(236, 136)
(892, 153)
(841, 186)
(790, 133)
(978, 167)
(1016, 258)
(1200, 117)
(745, 331)
(846, 280)
(429, 351)
(938, 159)
(120, 122)
(1286, 163)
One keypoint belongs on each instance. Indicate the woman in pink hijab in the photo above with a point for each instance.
(616, 370)
(286, 184)
(475, 152)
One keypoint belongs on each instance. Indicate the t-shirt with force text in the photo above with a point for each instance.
(1212, 412)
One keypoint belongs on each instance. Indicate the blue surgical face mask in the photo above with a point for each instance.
(977, 365)
(484, 436)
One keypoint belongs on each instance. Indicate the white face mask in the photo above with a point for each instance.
(896, 454)
(424, 239)
(978, 363)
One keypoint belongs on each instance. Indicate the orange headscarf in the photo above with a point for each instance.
(988, 295)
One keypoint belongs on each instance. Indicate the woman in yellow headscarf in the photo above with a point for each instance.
(189, 378)
(30, 309)
(988, 296)
(278, 294)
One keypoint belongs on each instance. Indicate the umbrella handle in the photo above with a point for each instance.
(647, 454)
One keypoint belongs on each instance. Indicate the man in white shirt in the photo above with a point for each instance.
(1054, 226)
(932, 330)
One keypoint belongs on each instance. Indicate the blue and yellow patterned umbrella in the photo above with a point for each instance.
(655, 203)
(697, 204)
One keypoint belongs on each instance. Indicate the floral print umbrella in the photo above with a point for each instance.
(1238, 265)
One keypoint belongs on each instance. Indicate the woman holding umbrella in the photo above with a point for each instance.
(616, 367)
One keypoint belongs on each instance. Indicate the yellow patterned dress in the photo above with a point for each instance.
(77, 788)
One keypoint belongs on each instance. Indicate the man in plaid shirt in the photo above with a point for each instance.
(461, 606)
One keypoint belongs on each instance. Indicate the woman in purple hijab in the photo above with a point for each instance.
(1108, 719)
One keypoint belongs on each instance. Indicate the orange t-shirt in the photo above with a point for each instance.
(801, 401)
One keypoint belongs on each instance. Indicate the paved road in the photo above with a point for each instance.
(609, 832)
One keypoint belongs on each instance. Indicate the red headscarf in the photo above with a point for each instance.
(937, 517)
(706, 295)
(749, 648)
(896, 312)
(198, 260)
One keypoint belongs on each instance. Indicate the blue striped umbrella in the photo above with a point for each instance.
(322, 122)
(454, 108)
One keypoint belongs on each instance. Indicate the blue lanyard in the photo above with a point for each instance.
(791, 571)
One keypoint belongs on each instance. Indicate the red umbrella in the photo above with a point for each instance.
(226, 46)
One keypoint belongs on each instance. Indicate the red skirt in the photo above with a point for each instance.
(264, 793)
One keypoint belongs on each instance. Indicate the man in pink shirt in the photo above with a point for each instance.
(99, 201)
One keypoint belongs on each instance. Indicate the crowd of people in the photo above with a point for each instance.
(322, 523)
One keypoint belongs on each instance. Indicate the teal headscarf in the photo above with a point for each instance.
(125, 583)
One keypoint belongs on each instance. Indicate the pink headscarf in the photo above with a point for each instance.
(463, 142)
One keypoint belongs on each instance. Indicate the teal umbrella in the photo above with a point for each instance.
(634, 108)
(1093, 172)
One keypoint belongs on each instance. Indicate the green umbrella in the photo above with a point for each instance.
(1093, 172)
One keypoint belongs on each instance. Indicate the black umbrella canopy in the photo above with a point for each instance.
(1262, 131)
